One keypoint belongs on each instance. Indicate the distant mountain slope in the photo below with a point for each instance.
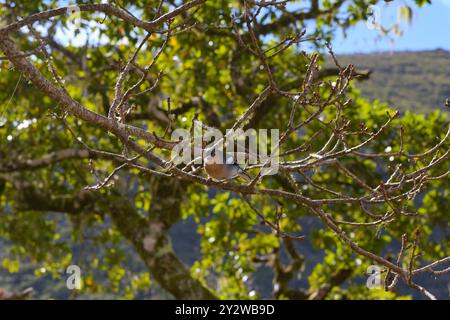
(415, 81)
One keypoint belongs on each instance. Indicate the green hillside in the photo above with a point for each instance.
(415, 81)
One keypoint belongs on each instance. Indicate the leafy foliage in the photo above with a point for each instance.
(50, 220)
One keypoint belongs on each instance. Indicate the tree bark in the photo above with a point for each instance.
(149, 236)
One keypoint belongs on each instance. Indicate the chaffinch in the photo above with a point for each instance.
(220, 168)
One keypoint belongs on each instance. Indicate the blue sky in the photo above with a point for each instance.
(429, 29)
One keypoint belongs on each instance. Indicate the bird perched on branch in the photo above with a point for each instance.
(220, 167)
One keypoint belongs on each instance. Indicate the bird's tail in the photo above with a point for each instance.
(245, 175)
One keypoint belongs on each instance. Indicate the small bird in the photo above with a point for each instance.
(220, 168)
